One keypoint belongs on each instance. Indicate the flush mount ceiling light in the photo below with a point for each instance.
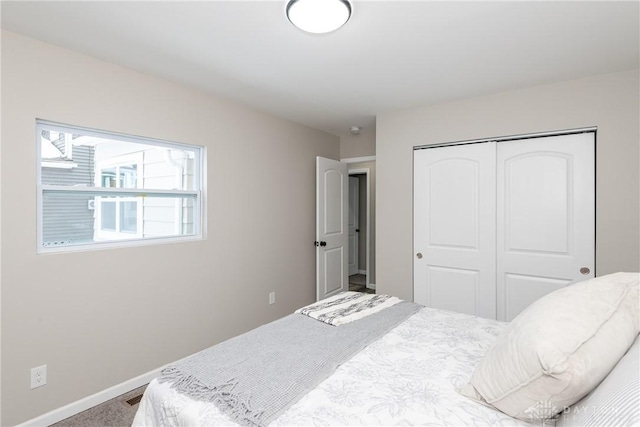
(318, 16)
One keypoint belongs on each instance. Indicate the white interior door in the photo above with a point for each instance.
(353, 223)
(331, 227)
(454, 228)
(545, 217)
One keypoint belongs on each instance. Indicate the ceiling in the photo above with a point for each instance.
(391, 55)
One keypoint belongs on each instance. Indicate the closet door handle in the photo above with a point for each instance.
(419, 255)
(584, 271)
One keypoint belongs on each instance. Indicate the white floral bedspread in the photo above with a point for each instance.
(407, 377)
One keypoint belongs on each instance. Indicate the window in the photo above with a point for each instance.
(115, 189)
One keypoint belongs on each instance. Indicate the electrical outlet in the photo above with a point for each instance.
(272, 298)
(38, 376)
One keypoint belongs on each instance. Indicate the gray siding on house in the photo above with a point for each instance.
(67, 217)
(83, 174)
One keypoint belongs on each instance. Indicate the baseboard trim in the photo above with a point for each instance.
(371, 286)
(89, 402)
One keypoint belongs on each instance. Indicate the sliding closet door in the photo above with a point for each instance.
(545, 217)
(454, 228)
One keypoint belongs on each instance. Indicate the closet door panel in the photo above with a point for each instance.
(461, 293)
(545, 217)
(453, 207)
(454, 228)
(537, 203)
(521, 290)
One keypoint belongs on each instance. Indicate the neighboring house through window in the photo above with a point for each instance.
(119, 218)
(99, 189)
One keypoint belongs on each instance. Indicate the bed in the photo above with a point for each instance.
(411, 375)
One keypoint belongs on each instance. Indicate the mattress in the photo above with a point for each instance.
(407, 377)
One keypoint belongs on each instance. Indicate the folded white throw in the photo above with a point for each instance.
(346, 307)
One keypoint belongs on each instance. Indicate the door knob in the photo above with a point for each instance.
(419, 255)
(584, 271)
(320, 243)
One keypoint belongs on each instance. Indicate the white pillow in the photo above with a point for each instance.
(614, 402)
(559, 348)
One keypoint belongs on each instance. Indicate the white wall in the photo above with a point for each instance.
(610, 102)
(102, 317)
(1, 303)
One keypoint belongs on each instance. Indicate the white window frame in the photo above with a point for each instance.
(197, 193)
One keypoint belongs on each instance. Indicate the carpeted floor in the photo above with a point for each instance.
(357, 283)
(113, 413)
(358, 279)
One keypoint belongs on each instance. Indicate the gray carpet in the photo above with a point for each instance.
(358, 279)
(112, 413)
(357, 284)
(360, 288)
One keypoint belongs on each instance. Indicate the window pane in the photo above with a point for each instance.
(128, 176)
(108, 215)
(129, 217)
(67, 219)
(108, 178)
(71, 218)
(89, 161)
(60, 167)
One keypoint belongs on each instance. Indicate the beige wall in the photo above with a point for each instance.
(362, 145)
(610, 102)
(99, 318)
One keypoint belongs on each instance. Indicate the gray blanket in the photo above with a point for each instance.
(256, 376)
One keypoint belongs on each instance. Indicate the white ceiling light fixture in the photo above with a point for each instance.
(318, 16)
